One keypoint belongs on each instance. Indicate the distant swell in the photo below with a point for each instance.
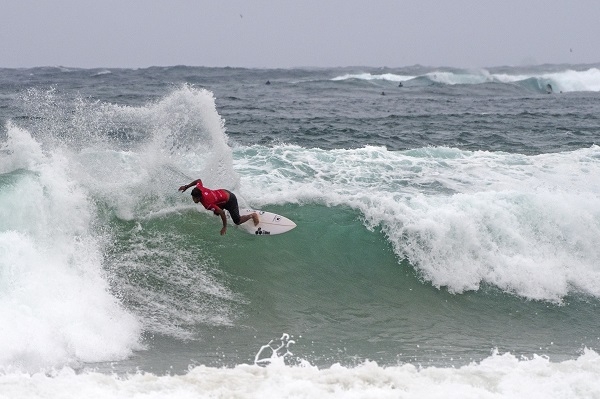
(564, 81)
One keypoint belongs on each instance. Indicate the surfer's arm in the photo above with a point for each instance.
(192, 184)
(221, 213)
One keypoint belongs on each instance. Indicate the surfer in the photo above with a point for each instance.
(217, 201)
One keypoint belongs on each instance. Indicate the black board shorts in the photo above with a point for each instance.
(232, 207)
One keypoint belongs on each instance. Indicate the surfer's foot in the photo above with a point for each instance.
(255, 218)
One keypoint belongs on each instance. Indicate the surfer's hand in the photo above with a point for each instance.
(223, 231)
(183, 188)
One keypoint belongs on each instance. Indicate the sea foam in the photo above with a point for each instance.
(55, 306)
(498, 376)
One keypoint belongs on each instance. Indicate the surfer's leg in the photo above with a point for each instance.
(234, 211)
(253, 216)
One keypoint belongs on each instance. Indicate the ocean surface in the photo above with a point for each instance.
(448, 239)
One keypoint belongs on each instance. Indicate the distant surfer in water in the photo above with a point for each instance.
(217, 201)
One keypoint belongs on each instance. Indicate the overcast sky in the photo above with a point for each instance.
(282, 33)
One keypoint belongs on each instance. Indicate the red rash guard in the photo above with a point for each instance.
(213, 200)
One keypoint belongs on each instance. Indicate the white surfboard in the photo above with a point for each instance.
(270, 223)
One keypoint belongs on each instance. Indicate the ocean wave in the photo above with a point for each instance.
(102, 73)
(563, 81)
(368, 76)
(461, 218)
(526, 224)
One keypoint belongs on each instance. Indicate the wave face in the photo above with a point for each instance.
(527, 225)
(434, 224)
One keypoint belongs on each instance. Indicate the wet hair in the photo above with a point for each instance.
(196, 193)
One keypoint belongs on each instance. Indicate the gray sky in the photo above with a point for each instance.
(282, 33)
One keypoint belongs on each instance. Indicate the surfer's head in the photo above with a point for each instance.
(196, 195)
